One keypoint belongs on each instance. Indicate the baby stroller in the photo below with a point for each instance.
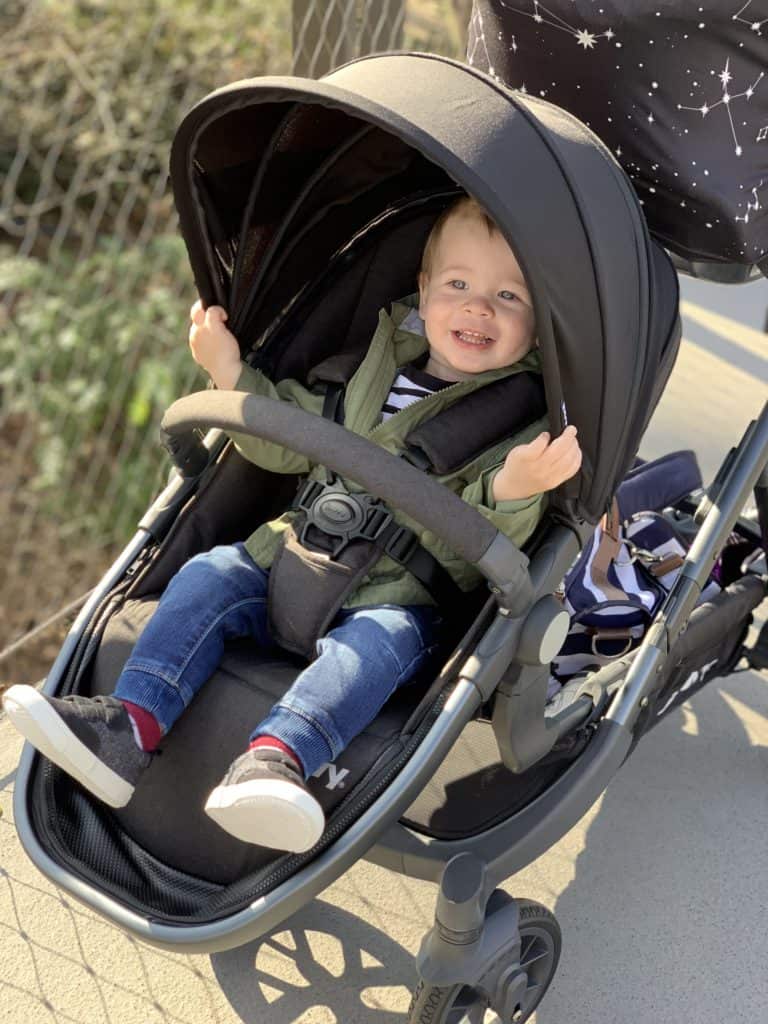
(305, 206)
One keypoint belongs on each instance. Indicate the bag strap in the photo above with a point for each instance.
(668, 564)
(608, 549)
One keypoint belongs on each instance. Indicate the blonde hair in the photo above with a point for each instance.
(466, 207)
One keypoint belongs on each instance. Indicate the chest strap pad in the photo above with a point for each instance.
(476, 422)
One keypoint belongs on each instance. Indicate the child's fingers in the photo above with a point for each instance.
(567, 459)
(563, 444)
(215, 315)
(567, 438)
(566, 464)
(542, 444)
(535, 448)
(561, 459)
(570, 463)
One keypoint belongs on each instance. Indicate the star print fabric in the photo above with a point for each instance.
(677, 90)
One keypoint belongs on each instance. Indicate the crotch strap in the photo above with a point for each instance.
(334, 541)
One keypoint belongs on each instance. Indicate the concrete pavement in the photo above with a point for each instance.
(659, 889)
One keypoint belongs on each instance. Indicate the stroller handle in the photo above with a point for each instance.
(468, 533)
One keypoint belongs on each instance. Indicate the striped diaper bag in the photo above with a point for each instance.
(617, 584)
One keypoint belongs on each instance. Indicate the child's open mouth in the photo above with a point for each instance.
(472, 338)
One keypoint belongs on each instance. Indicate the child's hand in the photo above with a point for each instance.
(538, 466)
(213, 346)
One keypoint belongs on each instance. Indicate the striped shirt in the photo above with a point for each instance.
(409, 386)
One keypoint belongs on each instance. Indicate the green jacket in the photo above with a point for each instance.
(392, 347)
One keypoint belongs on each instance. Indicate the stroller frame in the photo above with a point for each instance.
(469, 869)
(473, 927)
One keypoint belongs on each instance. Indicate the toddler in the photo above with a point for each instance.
(474, 325)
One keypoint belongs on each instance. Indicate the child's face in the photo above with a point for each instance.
(475, 304)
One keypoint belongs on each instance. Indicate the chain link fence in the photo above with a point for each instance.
(94, 282)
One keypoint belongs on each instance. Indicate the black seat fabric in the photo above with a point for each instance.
(161, 856)
(472, 790)
(166, 813)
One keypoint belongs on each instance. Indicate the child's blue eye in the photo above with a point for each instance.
(459, 284)
(507, 295)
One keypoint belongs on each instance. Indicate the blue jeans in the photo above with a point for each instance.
(365, 656)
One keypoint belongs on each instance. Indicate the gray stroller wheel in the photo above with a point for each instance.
(540, 944)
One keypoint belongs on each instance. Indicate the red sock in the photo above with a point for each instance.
(275, 744)
(146, 728)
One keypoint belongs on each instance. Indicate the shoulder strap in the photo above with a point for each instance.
(333, 403)
(402, 545)
(476, 422)
(335, 373)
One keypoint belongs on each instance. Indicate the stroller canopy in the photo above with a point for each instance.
(678, 91)
(279, 179)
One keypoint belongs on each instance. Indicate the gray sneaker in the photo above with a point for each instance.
(264, 800)
(90, 738)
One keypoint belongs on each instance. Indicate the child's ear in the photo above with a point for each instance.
(422, 282)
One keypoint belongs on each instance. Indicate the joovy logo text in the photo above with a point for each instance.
(336, 775)
(691, 681)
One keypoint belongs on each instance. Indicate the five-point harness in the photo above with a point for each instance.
(337, 536)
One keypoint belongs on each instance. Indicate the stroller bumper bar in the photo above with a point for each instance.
(469, 534)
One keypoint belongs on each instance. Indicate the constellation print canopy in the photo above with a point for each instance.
(678, 91)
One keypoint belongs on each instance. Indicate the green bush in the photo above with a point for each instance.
(93, 353)
(92, 93)
(94, 285)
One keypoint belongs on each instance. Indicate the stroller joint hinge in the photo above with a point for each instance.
(461, 900)
(658, 636)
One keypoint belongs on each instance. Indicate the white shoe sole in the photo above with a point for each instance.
(268, 812)
(39, 724)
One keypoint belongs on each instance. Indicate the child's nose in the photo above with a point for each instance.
(479, 305)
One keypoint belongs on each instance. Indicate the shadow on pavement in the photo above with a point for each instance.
(321, 957)
(664, 919)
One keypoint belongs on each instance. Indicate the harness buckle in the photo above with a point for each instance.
(340, 517)
(306, 494)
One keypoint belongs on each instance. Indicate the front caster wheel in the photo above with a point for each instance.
(540, 943)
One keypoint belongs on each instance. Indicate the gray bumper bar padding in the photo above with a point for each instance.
(469, 534)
